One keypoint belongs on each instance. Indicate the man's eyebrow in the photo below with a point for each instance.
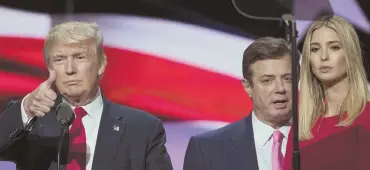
(76, 54)
(59, 55)
(287, 74)
(267, 75)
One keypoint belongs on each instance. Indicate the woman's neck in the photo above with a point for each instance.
(335, 95)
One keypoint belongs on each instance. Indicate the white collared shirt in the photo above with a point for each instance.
(263, 142)
(91, 123)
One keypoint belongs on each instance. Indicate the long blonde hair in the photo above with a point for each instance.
(311, 97)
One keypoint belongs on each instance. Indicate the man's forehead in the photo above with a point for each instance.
(271, 72)
(272, 67)
(275, 74)
(71, 48)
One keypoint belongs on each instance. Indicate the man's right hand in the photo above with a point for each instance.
(39, 102)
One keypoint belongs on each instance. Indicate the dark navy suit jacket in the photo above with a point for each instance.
(138, 145)
(228, 148)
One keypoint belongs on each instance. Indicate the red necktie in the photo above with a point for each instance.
(77, 142)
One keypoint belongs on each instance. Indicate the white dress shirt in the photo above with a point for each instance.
(91, 123)
(263, 142)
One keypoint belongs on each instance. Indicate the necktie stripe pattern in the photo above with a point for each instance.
(77, 142)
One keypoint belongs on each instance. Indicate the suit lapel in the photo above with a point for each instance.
(240, 148)
(111, 131)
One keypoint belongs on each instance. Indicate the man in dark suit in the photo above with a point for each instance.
(103, 135)
(257, 141)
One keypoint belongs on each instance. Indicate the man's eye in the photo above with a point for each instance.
(58, 59)
(266, 81)
(288, 78)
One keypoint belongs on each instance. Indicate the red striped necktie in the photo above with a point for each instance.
(77, 142)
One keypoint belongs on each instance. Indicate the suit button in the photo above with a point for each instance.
(15, 133)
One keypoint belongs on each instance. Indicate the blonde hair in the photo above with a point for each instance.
(74, 32)
(311, 97)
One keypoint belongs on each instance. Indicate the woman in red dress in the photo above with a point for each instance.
(334, 109)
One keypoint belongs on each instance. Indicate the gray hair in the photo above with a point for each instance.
(73, 32)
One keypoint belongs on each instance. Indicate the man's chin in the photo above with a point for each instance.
(282, 113)
(72, 94)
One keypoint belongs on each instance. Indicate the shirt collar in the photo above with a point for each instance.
(263, 132)
(93, 106)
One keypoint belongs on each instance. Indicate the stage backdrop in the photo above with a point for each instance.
(186, 74)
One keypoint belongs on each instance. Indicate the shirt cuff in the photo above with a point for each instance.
(25, 118)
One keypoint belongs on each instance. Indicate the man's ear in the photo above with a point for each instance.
(247, 87)
(102, 67)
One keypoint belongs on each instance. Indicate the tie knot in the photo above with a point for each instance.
(80, 112)
(277, 136)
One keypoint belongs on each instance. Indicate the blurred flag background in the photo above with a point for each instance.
(180, 61)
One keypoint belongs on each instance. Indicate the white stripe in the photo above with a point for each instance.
(205, 48)
(198, 46)
(185, 43)
(24, 24)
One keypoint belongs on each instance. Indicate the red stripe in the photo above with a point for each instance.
(162, 87)
(12, 84)
(26, 51)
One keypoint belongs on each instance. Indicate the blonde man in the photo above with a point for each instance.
(334, 104)
(104, 135)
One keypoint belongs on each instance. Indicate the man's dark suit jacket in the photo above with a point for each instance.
(228, 148)
(138, 145)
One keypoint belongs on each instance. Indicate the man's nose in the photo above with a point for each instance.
(279, 86)
(70, 66)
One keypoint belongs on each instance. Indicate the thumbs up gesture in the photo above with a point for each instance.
(39, 102)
